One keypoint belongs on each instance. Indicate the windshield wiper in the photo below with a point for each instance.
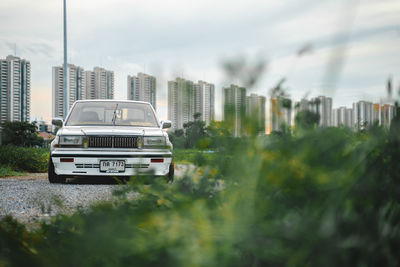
(115, 115)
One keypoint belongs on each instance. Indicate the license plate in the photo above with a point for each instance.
(112, 166)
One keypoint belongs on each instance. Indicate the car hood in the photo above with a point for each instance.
(110, 130)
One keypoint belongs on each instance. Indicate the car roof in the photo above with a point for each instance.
(112, 100)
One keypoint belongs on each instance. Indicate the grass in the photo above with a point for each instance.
(7, 171)
(192, 156)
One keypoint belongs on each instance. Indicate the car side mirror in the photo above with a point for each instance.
(166, 124)
(57, 122)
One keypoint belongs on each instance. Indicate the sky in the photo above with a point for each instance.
(351, 47)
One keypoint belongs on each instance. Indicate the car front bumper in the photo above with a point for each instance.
(70, 163)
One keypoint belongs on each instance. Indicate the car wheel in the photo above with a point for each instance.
(170, 175)
(53, 177)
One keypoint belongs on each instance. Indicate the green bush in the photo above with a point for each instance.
(20, 133)
(191, 155)
(28, 159)
(327, 197)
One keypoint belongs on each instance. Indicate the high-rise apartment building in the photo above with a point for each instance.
(75, 88)
(89, 85)
(186, 98)
(181, 102)
(98, 84)
(301, 105)
(366, 114)
(322, 105)
(104, 83)
(376, 114)
(3, 90)
(387, 113)
(235, 108)
(342, 117)
(15, 87)
(362, 114)
(142, 87)
(255, 109)
(280, 113)
(204, 101)
(349, 118)
(336, 117)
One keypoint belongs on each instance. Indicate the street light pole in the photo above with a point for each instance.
(65, 108)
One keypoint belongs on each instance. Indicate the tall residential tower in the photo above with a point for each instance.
(186, 98)
(342, 117)
(75, 88)
(204, 101)
(181, 102)
(362, 114)
(98, 84)
(281, 113)
(322, 105)
(235, 108)
(104, 83)
(15, 87)
(255, 109)
(142, 87)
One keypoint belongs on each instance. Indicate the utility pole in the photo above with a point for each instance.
(65, 108)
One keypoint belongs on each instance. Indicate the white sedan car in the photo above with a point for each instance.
(110, 138)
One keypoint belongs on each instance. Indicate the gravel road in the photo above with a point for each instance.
(33, 198)
(30, 198)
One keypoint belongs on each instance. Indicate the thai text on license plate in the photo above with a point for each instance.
(112, 166)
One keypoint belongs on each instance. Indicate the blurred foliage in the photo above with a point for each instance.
(319, 197)
(306, 120)
(244, 71)
(28, 159)
(279, 92)
(191, 156)
(19, 133)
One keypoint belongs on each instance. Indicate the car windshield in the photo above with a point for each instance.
(104, 113)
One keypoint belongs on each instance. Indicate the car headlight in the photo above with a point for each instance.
(72, 141)
(154, 141)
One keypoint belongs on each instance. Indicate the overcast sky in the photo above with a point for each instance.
(355, 44)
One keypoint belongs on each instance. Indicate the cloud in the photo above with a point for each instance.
(168, 38)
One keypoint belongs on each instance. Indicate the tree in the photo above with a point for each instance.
(306, 119)
(194, 131)
(285, 103)
(218, 129)
(179, 132)
(177, 138)
(218, 133)
(20, 134)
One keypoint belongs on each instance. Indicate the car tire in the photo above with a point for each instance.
(53, 177)
(170, 175)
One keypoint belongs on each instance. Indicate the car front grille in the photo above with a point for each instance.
(113, 141)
